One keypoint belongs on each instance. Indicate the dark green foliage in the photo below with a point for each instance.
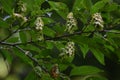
(35, 32)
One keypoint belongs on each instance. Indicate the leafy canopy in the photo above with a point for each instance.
(56, 37)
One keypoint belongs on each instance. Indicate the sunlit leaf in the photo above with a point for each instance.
(85, 70)
(84, 49)
(23, 37)
(7, 5)
(97, 78)
(60, 8)
(48, 32)
(98, 6)
(3, 24)
(98, 55)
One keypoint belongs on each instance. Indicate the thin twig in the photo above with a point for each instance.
(33, 59)
(46, 39)
(10, 35)
(55, 38)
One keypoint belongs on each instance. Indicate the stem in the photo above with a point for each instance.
(10, 35)
(55, 38)
(33, 59)
(16, 45)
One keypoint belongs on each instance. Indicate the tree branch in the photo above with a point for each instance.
(46, 39)
(28, 54)
(10, 35)
(56, 38)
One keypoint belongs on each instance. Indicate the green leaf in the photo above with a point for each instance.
(4, 33)
(33, 34)
(31, 76)
(98, 6)
(44, 53)
(116, 21)
(98, 55)
(48, 32)
(68, 59)
(81, 9)
(78, 5)
(84, 48)
(13, 40)
(60, 8)
(31, 47)
(23, 37)
(59, 29)
(87, 4)
(59, 45)
(50, 44)
(89, 28)
(47, 20)
(114, 31)
(47, 77)
(109, 47)
(7, 5)
(63, 66)
(22, 56)
(36, 6)
(6, 54)
(93, 44)
(111, 7)
(3, 24)
(81, 40)
(85, 70)
(97, 78)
